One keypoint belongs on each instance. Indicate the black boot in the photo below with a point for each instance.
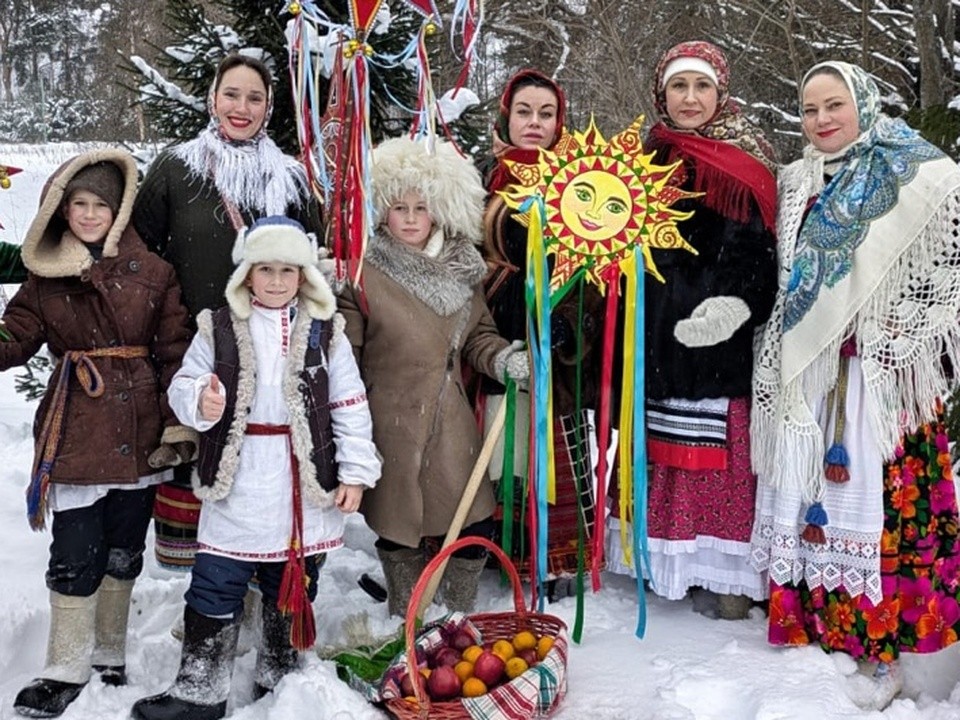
(276, 656)
(46, 698)
(203, 683)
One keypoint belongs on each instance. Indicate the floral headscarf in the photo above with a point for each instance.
(864, 186)
(499, 177)
(727, 123)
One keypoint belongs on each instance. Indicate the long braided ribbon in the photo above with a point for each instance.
(48, 442)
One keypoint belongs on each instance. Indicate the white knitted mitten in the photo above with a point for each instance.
(713, 321)
(512, 362)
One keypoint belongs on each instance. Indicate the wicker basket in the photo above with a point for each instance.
(493, 626)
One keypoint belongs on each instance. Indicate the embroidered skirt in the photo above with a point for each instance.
(699, 522)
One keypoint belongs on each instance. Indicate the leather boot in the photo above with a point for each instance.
(401, 570)
(203, 683)
(110, 647)
(458, 588)
(276, 656)
(67, 670)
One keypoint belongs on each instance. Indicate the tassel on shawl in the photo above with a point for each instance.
(816, 519)
(837, 460)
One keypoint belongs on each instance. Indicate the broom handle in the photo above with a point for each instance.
(466, 501)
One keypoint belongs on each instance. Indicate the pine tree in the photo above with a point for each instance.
(174, 93)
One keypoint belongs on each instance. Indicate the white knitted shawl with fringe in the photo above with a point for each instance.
(901, 301)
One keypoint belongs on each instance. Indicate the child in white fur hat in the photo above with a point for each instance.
(286, 451)
(422, 314)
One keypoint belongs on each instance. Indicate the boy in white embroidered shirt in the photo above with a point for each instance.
(286, 450)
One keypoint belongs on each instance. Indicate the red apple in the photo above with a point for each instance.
(461, 640)
(443, 683)
(489, 668)
(529, 655)
(406, 686)
(446, 656)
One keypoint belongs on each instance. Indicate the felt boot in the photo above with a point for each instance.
(276, 656)
(458, 588)
(203, 683)
(250, 622)
(110, 647)
(401, 570)
(69, 647)
(875, 685)
(733, 607)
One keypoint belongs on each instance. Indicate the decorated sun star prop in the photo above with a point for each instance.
(602, 200)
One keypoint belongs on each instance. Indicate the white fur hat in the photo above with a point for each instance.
(448, 181)
(279, 239)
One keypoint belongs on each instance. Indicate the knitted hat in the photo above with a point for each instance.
(688, 64)
(278, 239)
(104, 179)
(448, 181)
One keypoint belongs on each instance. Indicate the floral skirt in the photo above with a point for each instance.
(920, 569)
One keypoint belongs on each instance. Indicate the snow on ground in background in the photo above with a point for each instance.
(688, 667)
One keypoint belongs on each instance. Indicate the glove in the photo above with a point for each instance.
(171, 454)
(713, 321)
(512, 362)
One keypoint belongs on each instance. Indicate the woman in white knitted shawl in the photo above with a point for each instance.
(857, 517)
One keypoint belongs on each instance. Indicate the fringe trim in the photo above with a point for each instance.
(258, 178)
(904, 331)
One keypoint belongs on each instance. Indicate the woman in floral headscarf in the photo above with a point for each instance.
(857, 516)
(531, 117)
(700, 325)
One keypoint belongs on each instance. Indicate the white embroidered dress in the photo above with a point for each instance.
(253, 522)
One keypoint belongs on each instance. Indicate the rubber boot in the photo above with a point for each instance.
(203, 683)
(69, 647)
(458, 588)
(276, 656)
(110, 647)
(401, 570)
(733, 607)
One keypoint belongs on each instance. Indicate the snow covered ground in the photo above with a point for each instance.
(688, 667)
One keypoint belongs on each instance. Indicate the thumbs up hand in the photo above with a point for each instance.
(212, 400)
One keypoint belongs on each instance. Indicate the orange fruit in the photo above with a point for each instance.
(516, 666)
(543, 646)
(524, 640)
(503, 649)
(472, 653)
(473, 687)
(464, 670)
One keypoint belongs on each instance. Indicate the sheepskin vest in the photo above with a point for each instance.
(314, 393)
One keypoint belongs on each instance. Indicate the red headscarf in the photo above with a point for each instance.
(499, 177)
(716, 149)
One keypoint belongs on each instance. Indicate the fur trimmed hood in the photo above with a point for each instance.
(48, 251)
(444, 283)
(447, 180)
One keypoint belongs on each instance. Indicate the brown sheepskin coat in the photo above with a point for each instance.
(129, 297)
(424, 316)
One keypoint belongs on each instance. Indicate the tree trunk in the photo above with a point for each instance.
(928, 49)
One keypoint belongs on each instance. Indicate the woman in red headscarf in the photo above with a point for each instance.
(700, 326)
(531, 117)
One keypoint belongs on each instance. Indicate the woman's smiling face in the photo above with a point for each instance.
(830, 119)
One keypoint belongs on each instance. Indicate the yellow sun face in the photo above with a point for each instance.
(595, 205)
(602, 201)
